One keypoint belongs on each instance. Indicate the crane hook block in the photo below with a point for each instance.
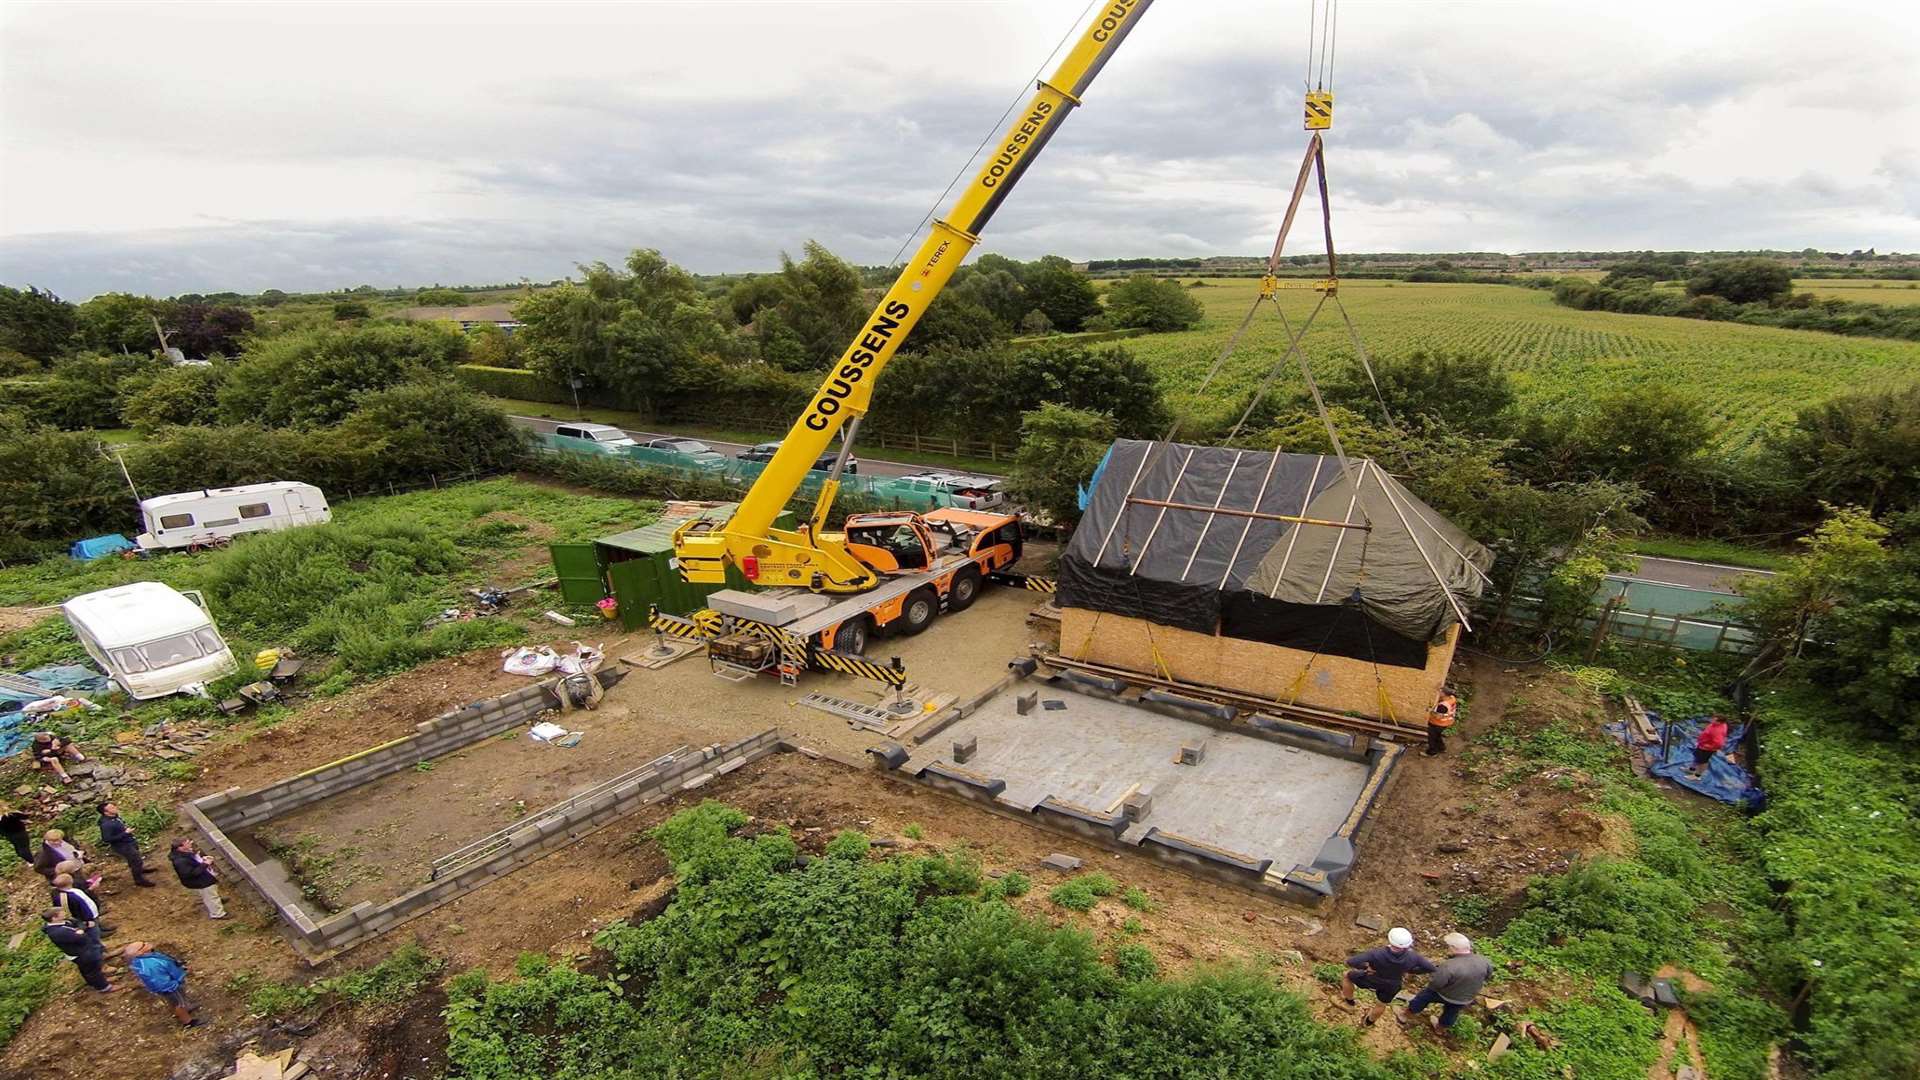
(1319, 110)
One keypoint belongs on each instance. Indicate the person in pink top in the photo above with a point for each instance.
(1713, 739)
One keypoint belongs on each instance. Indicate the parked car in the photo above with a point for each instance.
(212, 517)
(824, 463)
(582, 438)
(684, 453)
(953, 490)
(151, 640)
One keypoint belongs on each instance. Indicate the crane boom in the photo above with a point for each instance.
(810, 556)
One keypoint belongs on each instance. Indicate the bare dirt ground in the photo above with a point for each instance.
(1445, 828)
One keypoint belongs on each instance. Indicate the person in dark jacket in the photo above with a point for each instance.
(121, 841)
(1454, 984)
(79, 903)
(81, 946)
(1382, 970)
(196, 872)
(55, 849)
(13, 827)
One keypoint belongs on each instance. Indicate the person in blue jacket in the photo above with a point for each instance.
(164, 976)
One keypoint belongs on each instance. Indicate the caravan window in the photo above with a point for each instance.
(255, 510)
(175, 521)
(129, 661)
(177, 649)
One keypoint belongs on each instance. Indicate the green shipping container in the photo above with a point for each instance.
(636, 568)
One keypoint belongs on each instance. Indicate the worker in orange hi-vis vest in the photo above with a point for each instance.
(1438, 721)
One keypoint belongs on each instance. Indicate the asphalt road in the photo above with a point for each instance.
(868, 466)
(1693, 575)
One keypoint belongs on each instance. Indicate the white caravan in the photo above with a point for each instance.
(214, 516)
(151, 640)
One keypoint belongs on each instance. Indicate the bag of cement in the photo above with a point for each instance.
(530, 662)
(546, 732)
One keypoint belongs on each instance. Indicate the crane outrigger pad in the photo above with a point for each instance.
(1278, 548)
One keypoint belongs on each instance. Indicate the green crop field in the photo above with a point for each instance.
(1750, 377)
(1860, 290)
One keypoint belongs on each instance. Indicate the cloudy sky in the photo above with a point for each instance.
(172, 147)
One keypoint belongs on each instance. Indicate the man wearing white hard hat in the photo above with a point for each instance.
(1382, 970)
(1455, 983)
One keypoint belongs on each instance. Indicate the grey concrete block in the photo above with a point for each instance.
(1192, 753)
(964, 749)
(1058, 861)
(1027, 702)
(1137, 806)
(696, 781)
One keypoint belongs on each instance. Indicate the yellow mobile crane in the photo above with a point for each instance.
(810, 556)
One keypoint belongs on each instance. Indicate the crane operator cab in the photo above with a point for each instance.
(891, 542)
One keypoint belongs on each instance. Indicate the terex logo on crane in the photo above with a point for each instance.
(876, 337)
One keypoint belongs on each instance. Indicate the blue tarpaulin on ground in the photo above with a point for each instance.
(63, 678)
(99, 547)
(70, 679)
(1723, 780)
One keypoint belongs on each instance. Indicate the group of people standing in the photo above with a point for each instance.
(1452, 983)
(75, 919)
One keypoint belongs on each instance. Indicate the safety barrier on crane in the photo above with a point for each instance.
(894, 674)
(1025, 581)
(676, 626)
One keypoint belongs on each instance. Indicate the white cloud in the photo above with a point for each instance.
(198, 146)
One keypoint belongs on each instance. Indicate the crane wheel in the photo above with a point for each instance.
(964, 590)
(852, 636)
(921, 606)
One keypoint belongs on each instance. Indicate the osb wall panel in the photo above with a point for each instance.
(1251, 667)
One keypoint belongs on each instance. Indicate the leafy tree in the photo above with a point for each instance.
(36, 323)
(955, 322)
(435, 427)
(1643, 270)
(1873, 656)
(84, 391)
(344, 310)
(752, 295)
(203, 330)
(821, 308)
(993, 287)
(1059, 449)
(272, 298)
(1742, 281)
(1859, 449)
(1035, 323)
(1649, 435)
(1110, 380)
(118, 322)
(55, 487)
(632, 332)
(1063, 293)
(490, 345)
(1468, 392)
(188, 394)
(1847, 550)
(1149, 303)
(314, 377)
(437, 297)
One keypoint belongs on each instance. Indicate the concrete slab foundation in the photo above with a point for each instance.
(1262, 807)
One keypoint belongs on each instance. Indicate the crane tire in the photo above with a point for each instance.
(964, 590)
(919, 610)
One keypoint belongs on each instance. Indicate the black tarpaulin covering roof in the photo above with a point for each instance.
(1409, 575)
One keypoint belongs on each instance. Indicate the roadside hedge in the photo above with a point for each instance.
(512, 383)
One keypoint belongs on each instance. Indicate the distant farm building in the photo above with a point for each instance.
(500, 315)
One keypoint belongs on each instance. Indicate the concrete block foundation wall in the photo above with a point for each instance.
(1251, 667)
(214, 817)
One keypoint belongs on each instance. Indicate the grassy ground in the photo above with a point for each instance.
(635, 421)
(1750, 377)
(1708, 551)
(360, 596)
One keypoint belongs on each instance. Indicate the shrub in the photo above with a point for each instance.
(512, 383)
(1135, 962)
(1082, 892)
(1151, 303)
(27, 977)
(313, 378)
(848, 844)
